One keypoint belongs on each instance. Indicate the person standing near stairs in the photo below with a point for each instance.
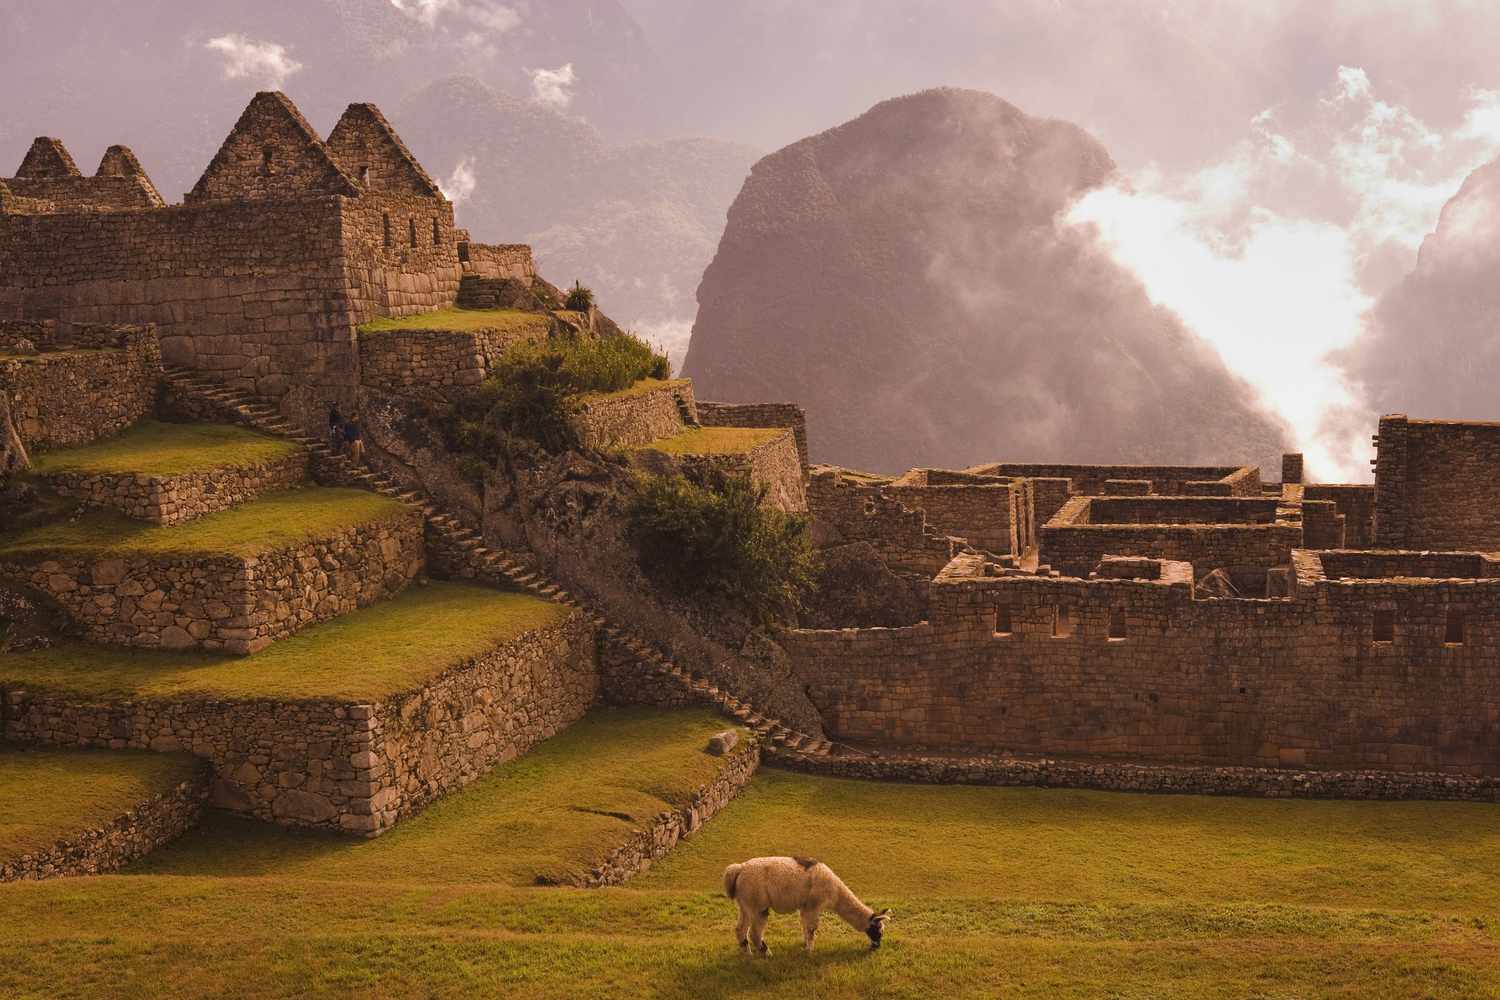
(354, 442)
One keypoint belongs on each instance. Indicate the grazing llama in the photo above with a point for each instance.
(761, 885)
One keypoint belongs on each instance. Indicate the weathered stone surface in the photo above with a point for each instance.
(721, 743)
(173, 499)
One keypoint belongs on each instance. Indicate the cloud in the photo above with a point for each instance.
(483, 14)
(460, 184)
(553, 87)
(425, 11)
(1276, 253)
(264, 62)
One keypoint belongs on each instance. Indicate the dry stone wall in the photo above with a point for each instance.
(238, 604)
(173, 499)
(847, 510)
(353, 767)
(433, 364)
(978, 510)
(142, 829)
(757, 415)
(632, 419)
(1436, 485)
(508, 260)
(68, 397)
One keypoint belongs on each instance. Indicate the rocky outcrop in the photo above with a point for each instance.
(906, 278)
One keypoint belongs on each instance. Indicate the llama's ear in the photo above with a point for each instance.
(884, 915)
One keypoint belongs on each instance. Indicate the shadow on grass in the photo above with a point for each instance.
(731, 968)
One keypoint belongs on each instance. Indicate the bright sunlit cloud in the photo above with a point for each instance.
(244, 58)
(553, 87)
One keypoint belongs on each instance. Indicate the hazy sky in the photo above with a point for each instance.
(1280, 161)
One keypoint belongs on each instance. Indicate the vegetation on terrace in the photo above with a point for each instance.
(49, 795)
(715, 440)
(719, 538)
(390, 647)
(273, 521)
(152, 447)
(516, 321)
(1026, 893)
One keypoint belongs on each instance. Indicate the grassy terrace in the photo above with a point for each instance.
(716, 440)
(638, 388)
(381, 650)
(47, 795)
(273, 521)
(154, 448)
(516, 321)
(997, 892)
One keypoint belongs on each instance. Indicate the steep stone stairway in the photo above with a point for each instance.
(331, 466)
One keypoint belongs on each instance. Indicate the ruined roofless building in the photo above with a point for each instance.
(260, 277)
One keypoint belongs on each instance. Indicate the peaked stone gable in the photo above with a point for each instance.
(48, 157)
(369, 150)
(119, 161)
(271, 153)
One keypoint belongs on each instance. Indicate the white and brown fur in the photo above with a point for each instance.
(809, 887)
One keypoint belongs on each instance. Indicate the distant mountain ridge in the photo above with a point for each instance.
(905, 277)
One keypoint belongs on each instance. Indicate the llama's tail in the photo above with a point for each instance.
(731, 876)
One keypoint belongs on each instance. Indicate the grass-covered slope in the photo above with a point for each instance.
(516, 321)
(997, 893)
(155, 448)
(273, 521)
(51, 795)
(390, 647)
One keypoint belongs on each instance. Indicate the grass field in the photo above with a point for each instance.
(463, 320)
(84, 789)
(152, 447)
(997, 892)
(638, 388)
(715, 440)
(368, 654)
(272, 521)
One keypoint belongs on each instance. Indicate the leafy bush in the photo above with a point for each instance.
(719, 537)
(530, 391)
(579, 298)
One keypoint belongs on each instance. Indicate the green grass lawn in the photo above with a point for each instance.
(715, 440)
(49, 795)
(153, 447)
(515, 321)
(384, 649)
(997, 893)
(270, 522)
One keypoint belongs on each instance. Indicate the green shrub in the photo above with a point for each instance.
(721, 539)
(530, 392)
(579, 298)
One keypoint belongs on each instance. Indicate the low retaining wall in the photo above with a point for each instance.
(1046, 772)
(667, 828)
(146, 827)
(238, 604)
(632, 419)
(772, 463)
(358, 768)
(435, 364)
(74, 396)
(758, 415)
(174, 499)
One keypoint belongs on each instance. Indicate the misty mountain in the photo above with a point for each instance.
(1432, 343)
(905, 277)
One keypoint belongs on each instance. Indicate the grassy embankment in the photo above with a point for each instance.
(153, 447)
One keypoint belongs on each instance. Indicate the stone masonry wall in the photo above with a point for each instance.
(1356, 502)
(139, 831)
(848, 510)
(509, 260)
(773, 464)
(1437, 485)
(173, 499)
(352, 767)
(1166, 480)
(758, 415)
(1142, 669)
(433, 364)
(239, 604)
(71, 397)
(632, 419)
(979, 512)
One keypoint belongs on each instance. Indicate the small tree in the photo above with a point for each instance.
(579, 297)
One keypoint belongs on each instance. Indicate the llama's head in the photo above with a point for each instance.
(877, 926)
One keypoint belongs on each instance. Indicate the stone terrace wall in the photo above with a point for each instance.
(344, 766)
(167, 500)
(1437, 485)
(142, 829)
(1142, 669)
(847, 510)
(433, 364)
(231, 603)
(1074, 546)
(1166, 480)
(758, 415)
(71, 397)
(1356, 502)
(977, 511)
(634, 419)
(507, 260)
(773, 464)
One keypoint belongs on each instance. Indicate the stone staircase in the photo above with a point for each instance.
(242, 408)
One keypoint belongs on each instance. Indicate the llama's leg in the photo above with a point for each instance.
(742, 929)
(758, 929)
(809, 928)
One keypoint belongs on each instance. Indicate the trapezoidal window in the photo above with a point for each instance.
(437, 234)
(1117, 625)
(267, 154)
(1062, 622)
(1003, 624)
(1384, 627)
(1453, 628)
(385, 222)
(411, 231)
